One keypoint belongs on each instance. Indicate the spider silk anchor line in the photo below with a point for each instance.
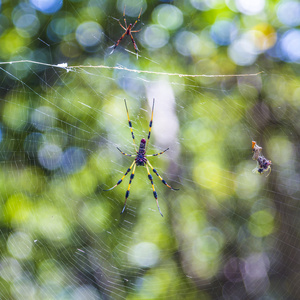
(141, 160)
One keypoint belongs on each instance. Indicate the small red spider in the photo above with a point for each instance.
(128, 31)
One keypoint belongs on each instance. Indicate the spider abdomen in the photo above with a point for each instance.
(140, 158)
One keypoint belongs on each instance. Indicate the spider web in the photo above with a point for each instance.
(227, 233)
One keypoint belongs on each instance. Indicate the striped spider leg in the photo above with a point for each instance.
(141, 160)
(128, 31)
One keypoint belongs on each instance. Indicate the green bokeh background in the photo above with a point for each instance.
(226, 234)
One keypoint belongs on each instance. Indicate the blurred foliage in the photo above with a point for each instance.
(228, 233)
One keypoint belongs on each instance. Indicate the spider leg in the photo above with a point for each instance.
(125, 153)
(163, 181)
(127, 192)
(134, 45)
(130, 126)
(128, 170)
(119, 40)
(154, 191)
(158, 153)
(122, 25)
(124, 16)
(137, 19)
(135, 30)
(150, 125)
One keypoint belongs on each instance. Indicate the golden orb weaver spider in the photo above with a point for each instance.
(141, 160)
(128, 31)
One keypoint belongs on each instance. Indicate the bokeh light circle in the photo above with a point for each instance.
(252, 7)
(47, 6)
(10, 269)
(290, 45)
(89, 34)
(50, 156)
(155, 36)
(61, 26)
(43, 117)
(242, 52)
(223, 32)
(132, 8)
(187, 43)
(144, 254)
(168, 16)
(200, 4)
(288, 13)
(73, 159)
(19, 245)
(25, 20)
